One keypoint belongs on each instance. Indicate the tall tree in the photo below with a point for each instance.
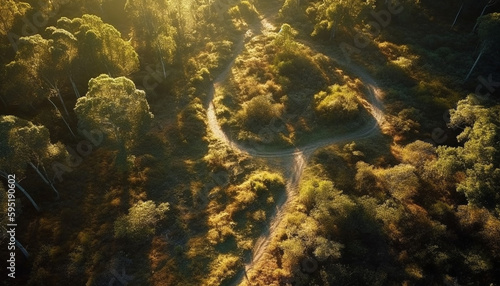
(115, 105)
(25, 85)
(27, 145)
(65, 59)
(489, 37)
(9, 12)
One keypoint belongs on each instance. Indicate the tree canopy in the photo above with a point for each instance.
(114, 105)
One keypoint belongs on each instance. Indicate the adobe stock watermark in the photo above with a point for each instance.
(156, 74)
(38, 20)
(484, 89)
(308, 266)
(219, 179)
(382, 19)
(83, 149)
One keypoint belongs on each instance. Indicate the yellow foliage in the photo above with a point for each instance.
(222, 268)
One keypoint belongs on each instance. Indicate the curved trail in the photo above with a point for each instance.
(295, 157)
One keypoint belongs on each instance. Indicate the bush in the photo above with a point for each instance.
(258, 112)
(337, 103)
(141, 220)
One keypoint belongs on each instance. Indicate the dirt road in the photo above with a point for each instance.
(295, 158)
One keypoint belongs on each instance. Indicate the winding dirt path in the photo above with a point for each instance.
(295, 158)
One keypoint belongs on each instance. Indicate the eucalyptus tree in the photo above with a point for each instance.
(152, 28)
(458, 14)
(480, 154)
(24, 86)
(488, 27)
(9, 12)
(24, 145)
(488, 4)
(116, 106)
(333, 16)
(100, 47)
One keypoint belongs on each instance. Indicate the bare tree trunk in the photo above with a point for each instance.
(75, 89)
(489, 4)
(458, 13)
(475, 63)
(23, 250)
(58, 92)
(4, 175)
(44, 179)
(3, 101)
(65, 122)
(20, 246)
(62, 101)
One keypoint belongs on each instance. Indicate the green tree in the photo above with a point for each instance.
(337, 103)
(191, 121)
(366, 180)
(488, 27)
(115, 105)
(418, 154)
(152, 27)
(25, 85)
(9, 12)
(480, 151)
(100, 46)
(258, 112)
(285, 39)
(25, 144)
(401, 181)
(71, 53)
(334, 17)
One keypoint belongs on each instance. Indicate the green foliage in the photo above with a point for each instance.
(366, 179)
(24, 142)
(191, 121)
(26, 84)
(321, 208)
(418, 154)
(10, 11)
(153, 29)
(258, 112)
(66, 57)
(141, 220)
(401, 181)
(336, 17)
(100, 47)
(293, 10)
(337, 103)
(115, 105)
(222, 268)
(285, 39)
(488, 33)
(479, 154)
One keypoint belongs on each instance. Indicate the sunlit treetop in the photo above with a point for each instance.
(99, 44)
(114, 105)
(24, 142)
(9, 11)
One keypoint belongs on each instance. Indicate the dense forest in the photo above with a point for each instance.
(259, 142)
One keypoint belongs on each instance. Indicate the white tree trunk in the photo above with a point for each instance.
(3, 101)
(475, 63)
(75, 89)
(23, 250)
(43, 178)
(65, 122)
(490, 3)
(458, 13)
(62, 101)
(4, 174)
